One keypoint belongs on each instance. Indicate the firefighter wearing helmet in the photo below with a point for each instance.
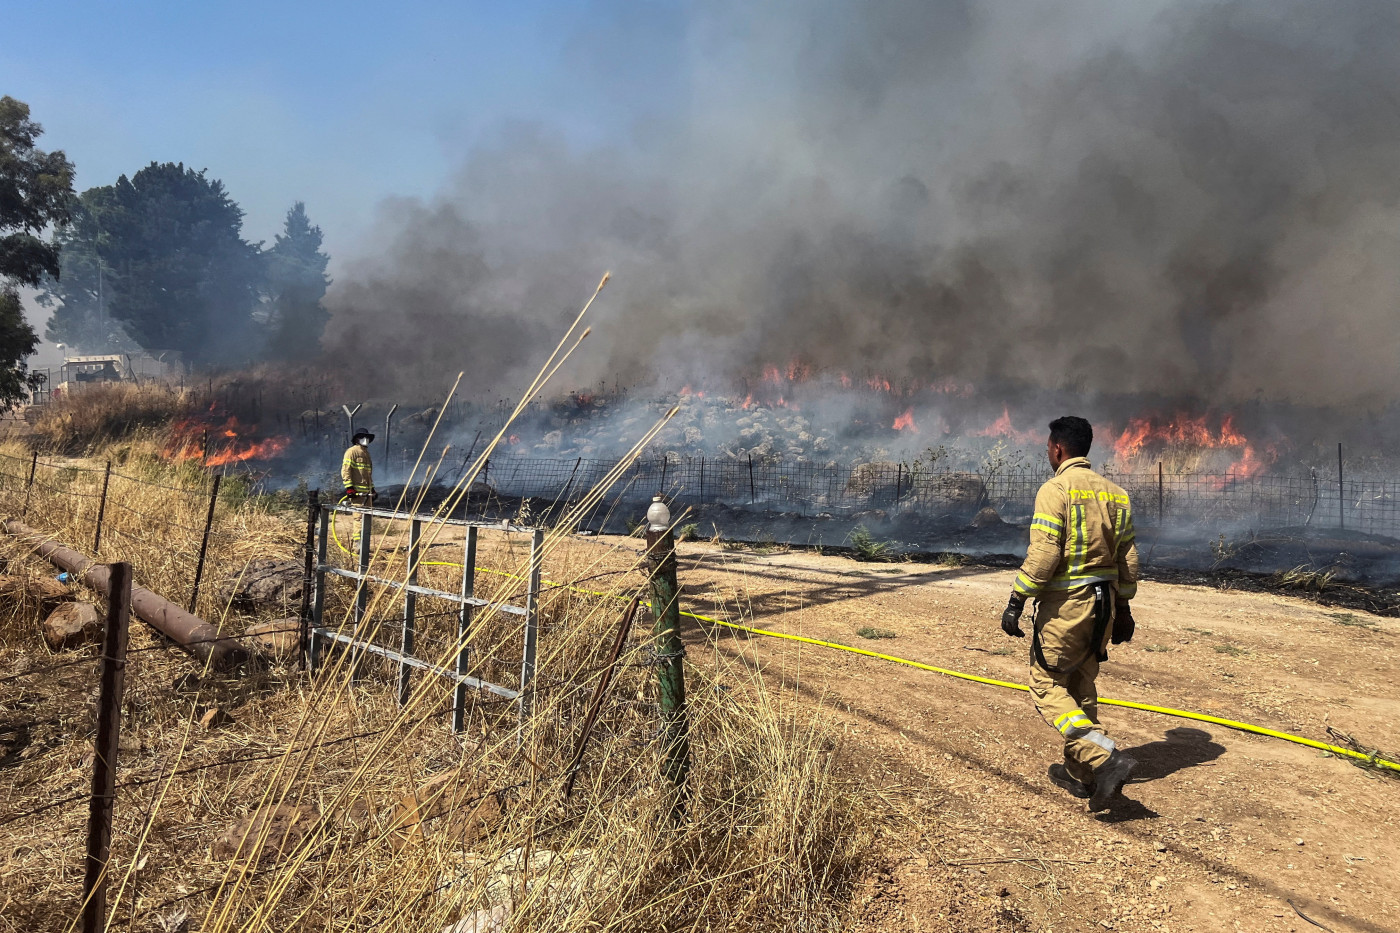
(357, 470)
(1081, 569)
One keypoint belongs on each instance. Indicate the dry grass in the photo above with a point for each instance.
(774, 837)
(104, 412)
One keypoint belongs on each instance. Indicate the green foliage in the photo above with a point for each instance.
(870, 631)
(1233, 651)
(1301, 578)
(866, 548)
(296, 284)
(80, 295)
(181, 274)
(36, 189)
(687, 532)
(1156, 648)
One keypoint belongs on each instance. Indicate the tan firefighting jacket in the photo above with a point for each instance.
(356, 470)
(1081, 534)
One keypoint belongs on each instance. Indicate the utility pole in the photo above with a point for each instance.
(670, 652)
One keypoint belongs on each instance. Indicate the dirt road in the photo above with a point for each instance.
(1221, 831)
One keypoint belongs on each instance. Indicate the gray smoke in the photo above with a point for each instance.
(1189, 199)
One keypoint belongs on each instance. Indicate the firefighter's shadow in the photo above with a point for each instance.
(1181, 748)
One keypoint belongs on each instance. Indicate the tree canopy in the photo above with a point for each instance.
(184, 277)
(36, 191)
(158, 260)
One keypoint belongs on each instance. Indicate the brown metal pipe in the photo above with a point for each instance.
(188, 631)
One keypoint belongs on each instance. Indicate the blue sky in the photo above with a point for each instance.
(337, 104)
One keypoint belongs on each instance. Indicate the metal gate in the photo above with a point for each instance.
(320, 636)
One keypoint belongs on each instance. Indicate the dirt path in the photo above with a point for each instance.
(1222, 829)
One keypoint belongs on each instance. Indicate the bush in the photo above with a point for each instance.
(867, 549)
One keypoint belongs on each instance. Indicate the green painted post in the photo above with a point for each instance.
(670, 671)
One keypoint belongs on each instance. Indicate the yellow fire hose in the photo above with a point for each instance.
(1375, 760)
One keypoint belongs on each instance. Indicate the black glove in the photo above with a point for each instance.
(1123, 623)
(1011, 616)
(373, 493)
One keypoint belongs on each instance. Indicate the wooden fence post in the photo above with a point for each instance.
(670, 671)
(101, 510)
(308, 578)
(104, 760)
(204, 542)
(29, 486)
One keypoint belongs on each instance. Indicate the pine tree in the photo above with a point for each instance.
(296, 285)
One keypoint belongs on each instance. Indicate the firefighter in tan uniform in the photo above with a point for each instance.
(357, 473)
(1081, 569)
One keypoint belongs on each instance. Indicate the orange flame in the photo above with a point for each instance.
(226, 443)
(905, 422)
(1002, 427)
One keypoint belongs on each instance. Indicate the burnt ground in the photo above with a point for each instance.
(1220, 830)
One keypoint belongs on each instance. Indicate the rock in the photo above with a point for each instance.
(481, 921)
(285, 827)
(444, 807)
(215, 718)
(987, 518)
(265, 584)
(278, 640)
(73, 625)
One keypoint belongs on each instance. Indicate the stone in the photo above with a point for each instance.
(263, 584)
(279, 640)
(492, 920)
(285, 827)
(444, 807)
(987, 518)
(73, 625)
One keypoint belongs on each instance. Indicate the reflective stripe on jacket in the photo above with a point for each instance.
(1081, 534)
(356, 470)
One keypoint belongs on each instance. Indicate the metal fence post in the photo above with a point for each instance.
(104, 759)
(29, 486)
(204, 542)
(318, 603)
(665, 607)
(464, 624)
(1341, 492)
(532, 626)
(753, 496)
(1160, 497)
(388, 426)
(101, 509)
(410, 606)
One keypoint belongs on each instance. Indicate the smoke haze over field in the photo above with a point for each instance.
(1188, 199)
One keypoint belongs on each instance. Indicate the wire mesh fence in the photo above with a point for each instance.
(812, 489)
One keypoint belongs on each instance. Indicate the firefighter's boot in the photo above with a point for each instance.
(1109, 779)
(1060, 777)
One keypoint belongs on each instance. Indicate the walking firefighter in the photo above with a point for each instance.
(1081, 569)
(357, 473)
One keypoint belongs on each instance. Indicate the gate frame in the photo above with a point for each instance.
(318, 634)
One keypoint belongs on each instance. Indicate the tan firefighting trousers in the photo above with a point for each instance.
(1070, 702)
(365, 501)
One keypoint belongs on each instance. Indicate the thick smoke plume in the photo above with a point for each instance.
(1189, 199)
